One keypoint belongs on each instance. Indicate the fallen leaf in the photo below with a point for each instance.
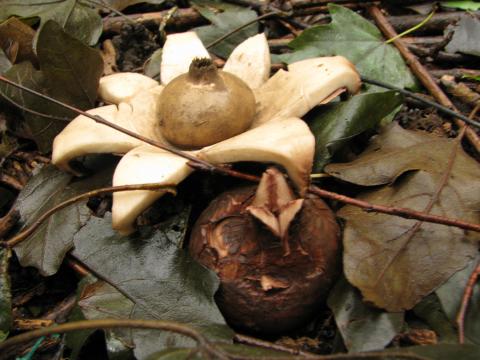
(77, 18)
(335, 124)
(46, 248)
(224, 18)
(465, 36)
(451, 295)
(357, 39)
(69, 71)
(6, 317)
(14, 31)
(395, 262)
(160, 278)
(5, 63)
(363, 328)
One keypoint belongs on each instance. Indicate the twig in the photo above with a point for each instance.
(394, 210)
(467, 294)
(420, 71)
(118, 323)
(412, 29)
(188, 17)
(29, 230)
(8, 222)
(437, 24)
(11, 181)
(437, 106)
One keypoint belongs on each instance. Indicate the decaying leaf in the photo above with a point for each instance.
(69, 71)
(161, 280)
(77, 18)
(465, 36)
(363, 327)
(357, 39)
(122, 4)
(395, 262)
(46, 248)
(335, 124)
(224, 18)
(15, 34)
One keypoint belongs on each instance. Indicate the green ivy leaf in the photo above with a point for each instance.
(160, 279)
(335, 124)
(357, 39)
(363, 327)
(46, 248)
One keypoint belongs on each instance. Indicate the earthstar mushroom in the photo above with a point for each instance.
(276, 135)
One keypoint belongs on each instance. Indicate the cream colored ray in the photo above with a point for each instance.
(250, 61)
(307, 83)
(287, 142)
(121, 87)
(84, 136)
(142, 165)
(177, 54)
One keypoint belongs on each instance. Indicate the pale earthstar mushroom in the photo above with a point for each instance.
(276, 135)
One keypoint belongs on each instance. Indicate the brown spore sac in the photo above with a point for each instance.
(276, 255)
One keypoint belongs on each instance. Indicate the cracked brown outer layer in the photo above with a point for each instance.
(265, 288)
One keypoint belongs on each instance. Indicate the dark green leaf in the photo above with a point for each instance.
(352, 36)
(46, 248)
(5, 295)
(334, 124)
(363, 327)
(159, 277)
(465, 36)
(451, 294)
(78, 18)
(395, 262)
(71, 69)
(70, 72)
(226, 18)
(431, 312)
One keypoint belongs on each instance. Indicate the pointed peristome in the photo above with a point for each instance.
(275, 205)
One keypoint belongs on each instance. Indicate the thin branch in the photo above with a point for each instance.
(114, 324)
(412, 95)
(31, 229)
(394, 210)
(420, 71)
(467, 294)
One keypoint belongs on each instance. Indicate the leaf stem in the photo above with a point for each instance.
(31, 229)
(412, 29)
